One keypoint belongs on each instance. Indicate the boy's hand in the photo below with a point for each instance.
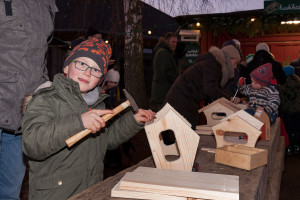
(236, 100)
(92, 120)
(241, 81)
(142, 116)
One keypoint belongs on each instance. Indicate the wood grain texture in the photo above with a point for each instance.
(241, 156)
(237, 125)
(186, 141)
(182, 184)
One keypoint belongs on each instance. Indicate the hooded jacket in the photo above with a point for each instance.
(165, 71)
(202, 81)
(52, 116)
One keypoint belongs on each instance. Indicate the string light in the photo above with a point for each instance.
(149, 32)
(252, 19)
(291, 22)
(106, 41)
(198, 24)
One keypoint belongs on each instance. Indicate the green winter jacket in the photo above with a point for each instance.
(52, 116)
(165, 71)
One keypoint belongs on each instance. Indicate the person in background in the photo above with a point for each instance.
(110, 86)
(165, 69)
(113, 158)
(262, 92)
(290, 109)
(204, 81)
(263, 56)
(296, 64)
(25, 27)
(74, 102)
(231, 85)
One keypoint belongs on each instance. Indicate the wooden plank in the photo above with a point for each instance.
(117, 192)
(204, 130)
(181, 183)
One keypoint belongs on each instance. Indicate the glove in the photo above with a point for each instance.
(241, 81)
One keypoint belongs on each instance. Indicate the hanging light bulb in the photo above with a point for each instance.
(198, 24)
(252, 19)
(149, 32)
(106, 41)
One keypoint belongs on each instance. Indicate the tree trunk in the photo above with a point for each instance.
(133, 53)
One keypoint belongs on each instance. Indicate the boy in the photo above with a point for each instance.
(72, 103)
(262, 91)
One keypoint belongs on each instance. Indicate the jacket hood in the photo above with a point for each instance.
(27, 98)
(162, 43)
(224, 60)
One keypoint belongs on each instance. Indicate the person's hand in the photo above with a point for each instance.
(142, 116)
(236, 100)
(92, 120)
(241, 81)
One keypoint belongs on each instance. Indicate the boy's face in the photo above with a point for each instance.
(255, 85)
(85, 79)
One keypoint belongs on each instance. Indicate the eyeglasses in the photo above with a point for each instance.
(83, 67)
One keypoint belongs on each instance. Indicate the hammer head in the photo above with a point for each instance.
(131, 101)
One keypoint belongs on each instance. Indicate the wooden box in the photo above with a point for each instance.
(240, 156)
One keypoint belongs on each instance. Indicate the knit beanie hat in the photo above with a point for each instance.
(95, 49)
(289, 70)
(262, 46)
(249, 58)
(112, 75)
(263, 75)
(232, 52)
(235, 43)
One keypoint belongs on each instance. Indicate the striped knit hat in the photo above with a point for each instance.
(95, 49)
(263, 75)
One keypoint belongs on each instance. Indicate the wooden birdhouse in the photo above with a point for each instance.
(185, 146)
(215, 112)
(190, 35)
(240, 123)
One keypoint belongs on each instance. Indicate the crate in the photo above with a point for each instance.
(240, 156)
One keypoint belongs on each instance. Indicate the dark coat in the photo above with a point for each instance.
(202, 81)
(165, 71)
(52, 116)
(290, 95)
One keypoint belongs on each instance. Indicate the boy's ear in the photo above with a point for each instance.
(66, 69)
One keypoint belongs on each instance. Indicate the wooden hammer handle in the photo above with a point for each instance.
(78, 136)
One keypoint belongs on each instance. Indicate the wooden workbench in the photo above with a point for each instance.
(259, 183)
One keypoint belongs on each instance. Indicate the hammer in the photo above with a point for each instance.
(130, 102)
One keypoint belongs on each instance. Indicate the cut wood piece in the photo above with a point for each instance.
(236, 124)
(218, 110)
(185, 146)
(182, 184)
(210, 150)
(117, 192)
(241, 156)
(262, 116)
(204, 130)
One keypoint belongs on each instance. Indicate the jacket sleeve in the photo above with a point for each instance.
(122, 130)
(44, 132)
(168, 66)
(273, 103)
(211, 83)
